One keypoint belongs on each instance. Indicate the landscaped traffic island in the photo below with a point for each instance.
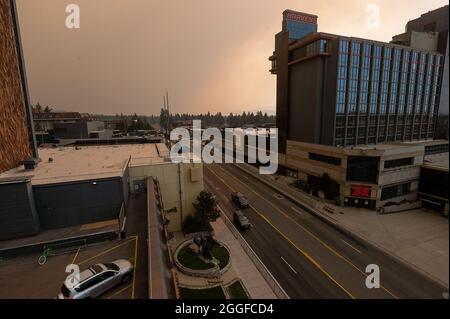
(202, 258)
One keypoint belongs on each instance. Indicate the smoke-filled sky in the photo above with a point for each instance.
(211, 55)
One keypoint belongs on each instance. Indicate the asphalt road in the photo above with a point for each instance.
(309, 258)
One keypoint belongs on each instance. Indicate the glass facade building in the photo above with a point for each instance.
(385, 93)
(298, 30)
(298, 24)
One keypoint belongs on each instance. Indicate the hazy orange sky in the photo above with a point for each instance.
(210, 54)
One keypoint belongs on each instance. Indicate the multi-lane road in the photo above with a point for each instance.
(309, 258)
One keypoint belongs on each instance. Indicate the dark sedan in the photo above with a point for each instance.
(240, 200)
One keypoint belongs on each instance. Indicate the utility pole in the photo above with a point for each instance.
(168, 112)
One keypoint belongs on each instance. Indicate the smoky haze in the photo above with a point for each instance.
(211, 55)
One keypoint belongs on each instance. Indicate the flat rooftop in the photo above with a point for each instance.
(88, 162)
(397, 145)
(436, 161)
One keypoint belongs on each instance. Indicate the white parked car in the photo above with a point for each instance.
(96, 280)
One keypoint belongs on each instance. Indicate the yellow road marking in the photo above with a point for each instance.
(308, 232)
(304, 253)
(106, 251)
(120, 291)
(76, 255)
(134, 266)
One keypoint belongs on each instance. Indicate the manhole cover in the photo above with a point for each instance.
(278, 196)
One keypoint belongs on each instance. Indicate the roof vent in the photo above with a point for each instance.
(30, 163)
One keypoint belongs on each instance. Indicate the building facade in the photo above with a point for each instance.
(298, 24)
(16, 130)
(436, 21)
(81, 130)
(357, 91)
(44, 121)
(358, 114)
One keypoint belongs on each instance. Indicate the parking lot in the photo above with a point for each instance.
(23, 277)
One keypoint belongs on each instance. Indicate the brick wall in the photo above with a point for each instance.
(14, 144)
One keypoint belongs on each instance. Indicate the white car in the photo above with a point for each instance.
(96, 280)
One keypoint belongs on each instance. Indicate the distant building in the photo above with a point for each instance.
(17, 141)
(81, 130)
(88, 184)
(44, 121)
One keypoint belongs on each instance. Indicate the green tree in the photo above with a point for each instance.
(206, 208)
(48, 109)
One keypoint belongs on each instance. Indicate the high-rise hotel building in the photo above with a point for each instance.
(364, 112)
(340, 91)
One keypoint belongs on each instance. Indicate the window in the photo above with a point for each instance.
(362, 168)
(436, 149)
(399, 162)
(395, 191)
(326, 159)
(434, 182)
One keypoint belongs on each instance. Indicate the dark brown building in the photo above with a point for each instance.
(345, 91)
(17, 141)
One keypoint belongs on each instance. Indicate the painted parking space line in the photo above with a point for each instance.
(132, 238)
(76, 255)
(134, 265)
(120, 291)
(293, 270)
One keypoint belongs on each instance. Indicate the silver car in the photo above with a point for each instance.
(96, 280)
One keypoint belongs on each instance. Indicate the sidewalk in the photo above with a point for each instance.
(417, 237)
(253, 281)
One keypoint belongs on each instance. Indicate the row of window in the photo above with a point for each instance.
(395, 191)
(352, 120)
(326, 159)
(312, 49)
(392, 134)
(399, 162)
(382, 138)
(386, 80)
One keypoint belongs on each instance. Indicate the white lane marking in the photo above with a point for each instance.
(289, 265)
(359, 251)
(296, 210)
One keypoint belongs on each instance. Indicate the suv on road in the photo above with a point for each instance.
(240, 200)
(241, 220)
(96, 280)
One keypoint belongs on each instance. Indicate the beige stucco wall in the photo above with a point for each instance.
(174, 194)
(297, 158)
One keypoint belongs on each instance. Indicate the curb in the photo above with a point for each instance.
(355, 237)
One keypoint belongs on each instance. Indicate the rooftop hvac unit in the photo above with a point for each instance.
(30, 164)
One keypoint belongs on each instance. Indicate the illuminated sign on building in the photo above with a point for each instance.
(360, 191)
(300, 17)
